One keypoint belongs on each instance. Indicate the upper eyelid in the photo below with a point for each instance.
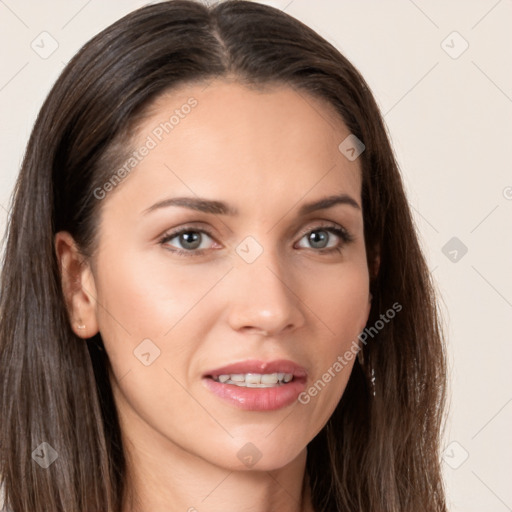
(326, 224)
(173, 233)
(207, 230)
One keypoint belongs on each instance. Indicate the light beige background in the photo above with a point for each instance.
(449, 117)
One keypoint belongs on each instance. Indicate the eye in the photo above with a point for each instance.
(327, 238)
(189, 241)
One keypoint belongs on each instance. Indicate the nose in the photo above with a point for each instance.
(264, 299)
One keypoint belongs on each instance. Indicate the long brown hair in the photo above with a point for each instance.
(380, 449)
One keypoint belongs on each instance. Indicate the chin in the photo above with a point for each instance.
(261, 454)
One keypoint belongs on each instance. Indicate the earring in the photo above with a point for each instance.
(360, 357)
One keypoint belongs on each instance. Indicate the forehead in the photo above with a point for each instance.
(225, 139)
(270, 114)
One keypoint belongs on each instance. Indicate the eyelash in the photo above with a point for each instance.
(339, 231)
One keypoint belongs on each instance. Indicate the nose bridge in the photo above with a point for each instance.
(264, 298)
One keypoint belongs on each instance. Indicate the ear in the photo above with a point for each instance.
(78, 286)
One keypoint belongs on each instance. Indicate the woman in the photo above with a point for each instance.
(208, 226)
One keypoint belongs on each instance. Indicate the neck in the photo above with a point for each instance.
(176, 481)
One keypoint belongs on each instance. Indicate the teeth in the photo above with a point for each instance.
(255, 380)
(270, 378)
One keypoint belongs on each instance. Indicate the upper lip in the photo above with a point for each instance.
(261, 367)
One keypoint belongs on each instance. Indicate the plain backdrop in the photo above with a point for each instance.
(441, 74)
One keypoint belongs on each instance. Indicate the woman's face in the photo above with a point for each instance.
(260, 281)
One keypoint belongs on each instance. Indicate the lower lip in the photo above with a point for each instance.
(257, 399)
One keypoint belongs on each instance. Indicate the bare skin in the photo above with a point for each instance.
(266, 154)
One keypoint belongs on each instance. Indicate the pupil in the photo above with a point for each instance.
(318, 238)
(190, 240)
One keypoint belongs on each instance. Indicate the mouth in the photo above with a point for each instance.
(257, 385)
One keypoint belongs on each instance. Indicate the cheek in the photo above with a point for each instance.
(153, 318)
(340, 302)
(341, 307)
(146, 298)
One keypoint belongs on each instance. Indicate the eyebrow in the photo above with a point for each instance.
(221, 208)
